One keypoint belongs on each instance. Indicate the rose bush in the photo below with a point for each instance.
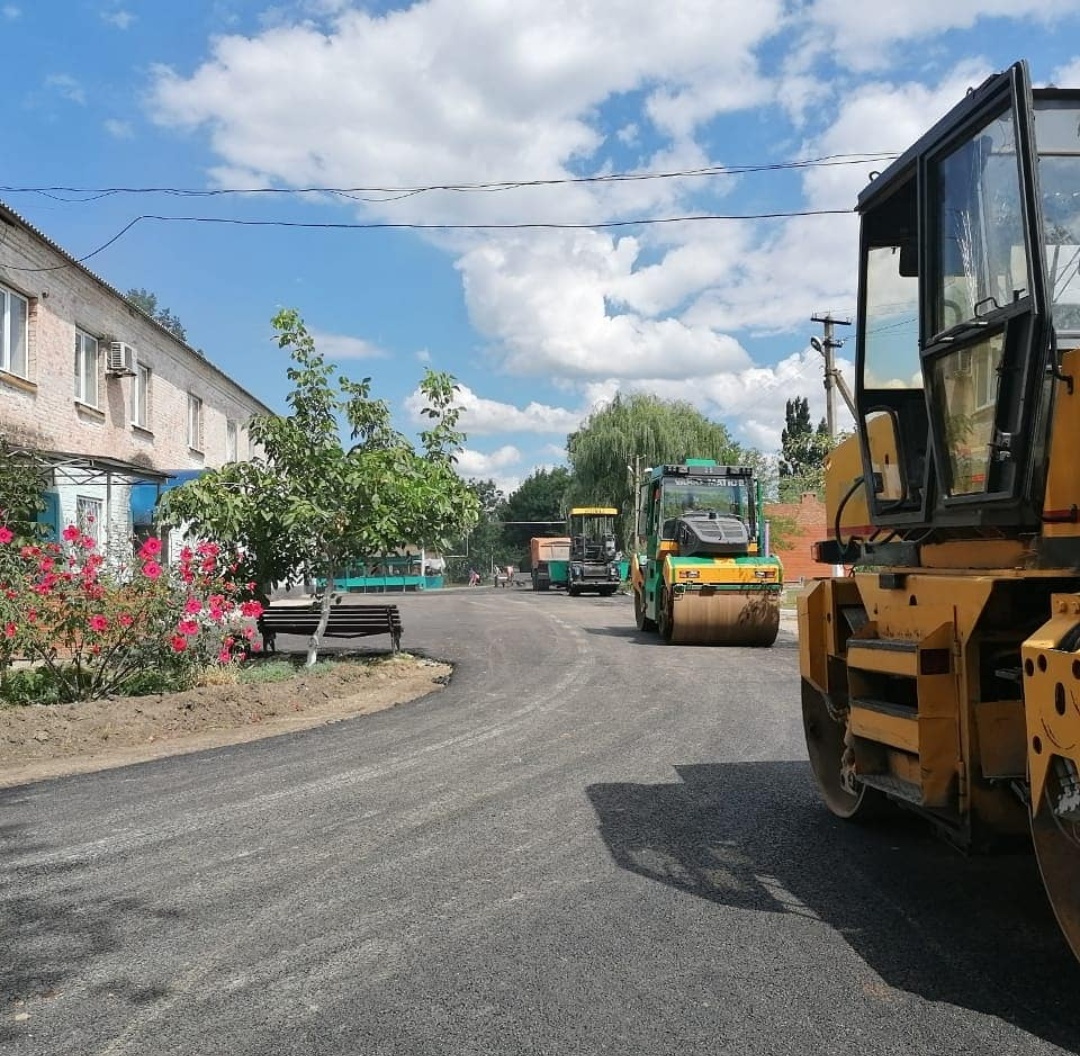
(99, 630)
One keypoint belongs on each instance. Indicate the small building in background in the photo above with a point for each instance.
(409, 569)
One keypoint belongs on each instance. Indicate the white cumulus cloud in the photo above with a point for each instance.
(66, 86)
(472, 463)
(119, 129)
(483, 416)
(120, 19)
(343, 346)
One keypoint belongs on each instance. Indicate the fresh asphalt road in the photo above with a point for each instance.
(588, 843)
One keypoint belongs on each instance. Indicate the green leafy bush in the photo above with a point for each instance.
(93, 631)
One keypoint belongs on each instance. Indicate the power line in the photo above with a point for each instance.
(825, 161)
(396, 226)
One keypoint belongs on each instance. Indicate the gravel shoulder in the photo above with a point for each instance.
(46, 741)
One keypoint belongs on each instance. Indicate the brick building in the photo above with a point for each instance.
(112, 400)
(810, 521)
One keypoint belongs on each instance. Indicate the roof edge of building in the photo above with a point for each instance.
(11, 216)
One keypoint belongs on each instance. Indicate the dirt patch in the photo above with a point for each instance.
(39, 742)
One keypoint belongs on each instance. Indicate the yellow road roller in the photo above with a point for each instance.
(701, 576)
(942, 674)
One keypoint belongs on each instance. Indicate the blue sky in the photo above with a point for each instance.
(539, 325)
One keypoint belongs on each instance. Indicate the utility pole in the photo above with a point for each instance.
(833, 380)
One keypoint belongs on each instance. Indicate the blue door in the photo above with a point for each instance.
(50, 516)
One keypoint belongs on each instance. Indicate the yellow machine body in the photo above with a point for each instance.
(941, 672)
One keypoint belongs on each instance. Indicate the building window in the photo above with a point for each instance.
(194, 422)
(140, 397)
(86, 368)
(88, 517)
(14, 313)
(230, 441)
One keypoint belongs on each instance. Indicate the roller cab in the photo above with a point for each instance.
(594, 557)
(700, 575)
(942, 675)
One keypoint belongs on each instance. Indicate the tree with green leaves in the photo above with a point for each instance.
(485, 545)
(641, 430)
(539, 500)
(147, 302)
(803, 451)
(307, 506)
(22, 480)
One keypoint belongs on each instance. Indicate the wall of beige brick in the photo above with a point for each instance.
(41, 410)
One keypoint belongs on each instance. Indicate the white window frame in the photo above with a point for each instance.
(232, 440)
(89, 512)
(8, 363)
(87, 368)
(194, 422)
(140, 396)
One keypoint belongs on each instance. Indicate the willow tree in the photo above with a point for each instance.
(307, 505)
(640, 430)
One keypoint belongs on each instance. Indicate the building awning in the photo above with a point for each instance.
(75, 468)
(144, 497)
(96, 469)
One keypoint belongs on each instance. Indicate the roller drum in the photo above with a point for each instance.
(1057, 848)
(724, 618)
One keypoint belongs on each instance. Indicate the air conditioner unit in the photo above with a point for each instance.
(121, 360)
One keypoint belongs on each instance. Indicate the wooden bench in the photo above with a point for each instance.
(346, 621)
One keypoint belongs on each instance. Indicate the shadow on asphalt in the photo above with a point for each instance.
(47, 941)
(973, 932)
(784, 640)
(630, 633)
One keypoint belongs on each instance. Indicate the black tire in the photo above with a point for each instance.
(825, 747)
(643, 622)
(665, 615)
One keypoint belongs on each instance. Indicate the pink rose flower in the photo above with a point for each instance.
(71, 533)
(6, 535)
(98, 623)
(150, 547)
(178, 643)
(188, 627)
(152, 570)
